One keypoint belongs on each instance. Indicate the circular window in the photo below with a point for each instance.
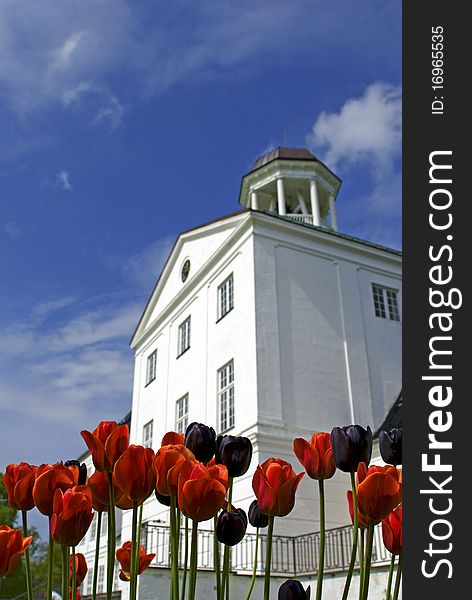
(185, 270)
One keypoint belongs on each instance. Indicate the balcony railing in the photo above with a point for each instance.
(291, 556)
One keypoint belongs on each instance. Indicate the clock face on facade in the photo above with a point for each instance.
(185, 270)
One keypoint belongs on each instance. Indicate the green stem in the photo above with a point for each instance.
(225, 576)
(224, 580)
(390, 578)
(74, 575)
(50, 563)
(354, 538)
(268, 558)
(29, 580)
(216, 559)
(65, 571)
(184, 577)
(361, 562)
(111, 537)
(174, 549)
(396, 591)
(368, 560)
(254, 569)
(97, 555)
(319, 579)
(133, 565)
(193, 562)
(138, 545)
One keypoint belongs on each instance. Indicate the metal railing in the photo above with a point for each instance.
(291, 556)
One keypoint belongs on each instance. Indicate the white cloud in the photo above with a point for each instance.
(366, 129)
(366, 134)
(111, 111)
(47, 307)
(48, 49)
(63, 179)
(62, 56)
(75, 363)
(143, 268)
(76, 369)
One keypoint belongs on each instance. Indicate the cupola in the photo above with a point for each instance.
(294, 184)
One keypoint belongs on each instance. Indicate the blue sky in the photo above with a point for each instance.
(123, 123)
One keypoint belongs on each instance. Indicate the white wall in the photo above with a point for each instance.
(324, 358)
(308, 351)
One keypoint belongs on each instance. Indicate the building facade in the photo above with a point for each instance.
(270, 323)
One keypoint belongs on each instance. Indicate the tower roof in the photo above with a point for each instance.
(283, 153)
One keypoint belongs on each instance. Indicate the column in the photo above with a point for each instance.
(315, 202)
(281, 197)
(332, 213)
(254, 204)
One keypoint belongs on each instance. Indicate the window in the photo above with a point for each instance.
(225, 297)
(385, 302)
(226, 396)
(181, 414)
(116, 580)
(184, 337)
(104, 525)
(151, 367)
(147, 435)
(93, 528)
(101, 578)
(88, 589)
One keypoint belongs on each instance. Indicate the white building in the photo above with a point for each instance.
(272, 324)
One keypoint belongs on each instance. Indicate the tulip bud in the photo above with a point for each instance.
(293, 590)
(256, 518)
(201, 440)
(235, 452)
(82, 468)
(390, 443)
(231, 526)
(351, 445)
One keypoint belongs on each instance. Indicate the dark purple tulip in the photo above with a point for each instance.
(201, 440)
(235, 452)
(231, 526)
(256, 518)
(82, 480)
(351, 445)
(390, 443)
(292, 589)
(165, 500)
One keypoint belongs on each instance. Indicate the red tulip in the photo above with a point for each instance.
(363, 521)
(201, 492)
(72, 515)
(123, 556)
(172, 437)
(379, 491)
(134, 473)
(167, 465)
(275, 484)
(77, 594)
(19, 481)
(220, 473)
(106, 444)
(50, 478)
(316, 456)
(392, 531)
(98, 484)
(80, 568)
(12, 546)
